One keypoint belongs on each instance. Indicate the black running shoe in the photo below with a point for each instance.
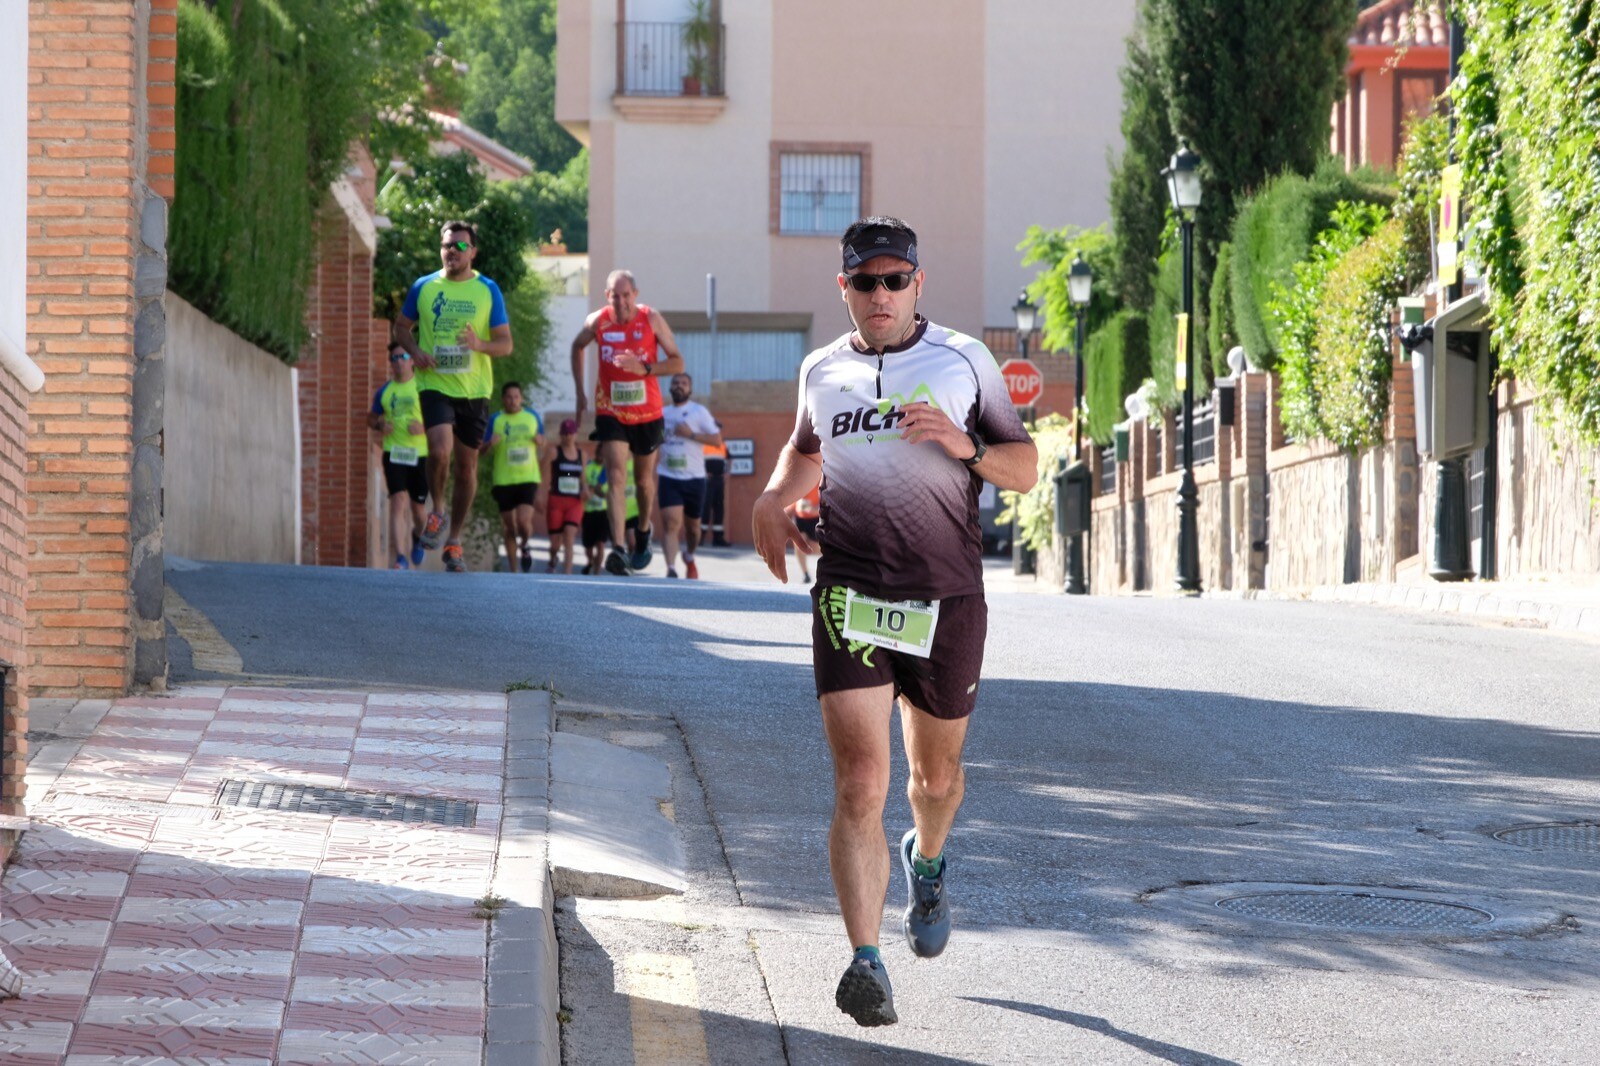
(864, 993)
(927, 923)
(616, 563)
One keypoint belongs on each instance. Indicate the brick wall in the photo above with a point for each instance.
(13, 596)
(100, 72)
(343, 366)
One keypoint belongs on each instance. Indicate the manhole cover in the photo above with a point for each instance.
(1568, 836)
(1355, 910)
(383, 806)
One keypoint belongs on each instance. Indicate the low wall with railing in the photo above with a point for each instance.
(1285, 515)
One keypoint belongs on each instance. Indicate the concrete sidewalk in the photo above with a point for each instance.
(171, 903)
(1570, 606)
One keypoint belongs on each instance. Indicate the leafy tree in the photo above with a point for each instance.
(509, 47)
(555, 202)
(1138, 194)
(1049, 290)
(441, 188)
(1249, 84)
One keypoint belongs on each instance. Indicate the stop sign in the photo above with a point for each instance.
(1024, 381)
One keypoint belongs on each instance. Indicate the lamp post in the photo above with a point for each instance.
(1183, 184)
(1026, 314)
(1080, 285)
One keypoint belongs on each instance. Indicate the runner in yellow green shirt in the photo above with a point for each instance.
(397, 415)
(512, 446)
(452, 323)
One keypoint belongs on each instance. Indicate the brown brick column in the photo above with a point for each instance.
(96, 274)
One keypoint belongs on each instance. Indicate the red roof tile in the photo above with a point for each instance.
(1402, 22)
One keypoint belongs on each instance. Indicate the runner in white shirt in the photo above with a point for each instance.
(688, 429)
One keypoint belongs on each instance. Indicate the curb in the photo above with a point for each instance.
(524, 968)
(1505, 606)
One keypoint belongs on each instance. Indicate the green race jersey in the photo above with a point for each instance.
(441, 308)
(515, 450)
(397, 402)
(594, 475)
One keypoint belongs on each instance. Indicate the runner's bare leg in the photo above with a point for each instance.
(856, 722)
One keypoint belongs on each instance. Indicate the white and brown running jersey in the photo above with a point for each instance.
(899, 520)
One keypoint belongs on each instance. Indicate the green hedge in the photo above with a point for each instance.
(1164, 325)
(1273, 231)
(1529, 101)
(1221, 333)
(1116, 359)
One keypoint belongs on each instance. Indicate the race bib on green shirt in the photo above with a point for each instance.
(627, 393)
(403, 456)
(519, 456)
(899, 625)
(452, 358)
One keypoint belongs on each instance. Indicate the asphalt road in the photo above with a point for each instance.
(1128, 756)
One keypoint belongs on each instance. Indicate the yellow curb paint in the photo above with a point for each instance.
(212, 652)
(664, 1008)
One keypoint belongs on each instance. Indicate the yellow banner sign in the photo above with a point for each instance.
(1449, 223)
(1180, 364)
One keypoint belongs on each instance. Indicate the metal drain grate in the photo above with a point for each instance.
(1567, 836)
(383, 806)
(1355, 910)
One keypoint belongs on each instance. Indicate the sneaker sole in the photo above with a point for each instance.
(864, 1000)
(620, 569)
(919, 950)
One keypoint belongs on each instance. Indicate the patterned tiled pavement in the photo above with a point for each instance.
(152, 925)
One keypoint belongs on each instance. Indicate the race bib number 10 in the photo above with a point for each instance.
(899, 625)
(627, 393)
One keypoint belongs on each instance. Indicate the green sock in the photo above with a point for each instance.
(924, 866)
(868, 952)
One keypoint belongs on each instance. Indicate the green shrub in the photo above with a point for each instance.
(1275, 230)
(1116, 359)
(1035, 510)
(1527, 98)
(1424, 155)
(1353, 366)
(1164, 323)
(1297, 311)
(1221, 335)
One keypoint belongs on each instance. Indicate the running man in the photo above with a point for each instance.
(397, 414)
(716, 493)
(463, 324)
(636, 348)
(900, 421)
(689, 429)
(563, 479)
(513, 448)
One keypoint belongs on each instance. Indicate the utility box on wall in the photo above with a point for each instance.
(1073, 498)
(1451, 368)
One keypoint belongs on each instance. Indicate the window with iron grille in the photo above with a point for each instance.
(819, 193)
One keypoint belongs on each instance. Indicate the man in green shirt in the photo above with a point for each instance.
(397, 414)
(513, 448)
(452, 322)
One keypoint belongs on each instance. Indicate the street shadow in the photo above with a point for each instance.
(1154, 1048)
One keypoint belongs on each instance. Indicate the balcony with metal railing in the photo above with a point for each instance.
(670, 59)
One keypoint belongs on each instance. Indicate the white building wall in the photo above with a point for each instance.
(1053, 105)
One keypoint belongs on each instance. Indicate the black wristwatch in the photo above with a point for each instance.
(979, 448)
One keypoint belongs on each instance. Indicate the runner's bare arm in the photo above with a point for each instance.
(580, 344)
(405, 334)
(498, 344)
(673, 363)
(796, 474)
(1012, 465)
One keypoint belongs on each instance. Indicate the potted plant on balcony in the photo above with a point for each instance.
(699, 38)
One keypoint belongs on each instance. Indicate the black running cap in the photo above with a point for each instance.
(879, 240)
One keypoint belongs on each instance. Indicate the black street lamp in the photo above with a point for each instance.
(1080, 286)
(1026, 314)
(1183, 184)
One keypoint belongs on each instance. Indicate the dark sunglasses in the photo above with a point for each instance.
(460, 246)
(870, 282)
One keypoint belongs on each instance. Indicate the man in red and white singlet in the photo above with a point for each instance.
(636, 348)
